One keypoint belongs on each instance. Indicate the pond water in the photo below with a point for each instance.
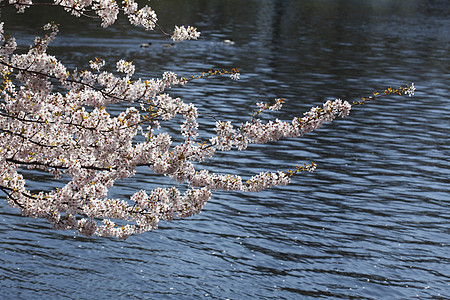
(373, 222)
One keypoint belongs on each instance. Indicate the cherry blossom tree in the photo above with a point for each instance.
(56, 120)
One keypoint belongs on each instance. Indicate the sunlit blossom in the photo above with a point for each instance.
(410, 90)
(235, 76)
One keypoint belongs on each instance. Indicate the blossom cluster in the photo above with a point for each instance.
(70, 132)
(182, 33)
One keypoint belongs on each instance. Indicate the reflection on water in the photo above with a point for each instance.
(371, 223)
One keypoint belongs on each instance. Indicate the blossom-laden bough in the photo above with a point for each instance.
(70, 133)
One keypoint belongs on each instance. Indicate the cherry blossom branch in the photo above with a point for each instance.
(73, 134)
(107, 11)
(28, 4)
(8, 193)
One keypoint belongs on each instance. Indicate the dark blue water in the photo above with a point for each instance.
(373, 222)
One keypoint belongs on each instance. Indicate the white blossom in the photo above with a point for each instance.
(235, 76)
(410, 90)
(181, 33)
(125, 67)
